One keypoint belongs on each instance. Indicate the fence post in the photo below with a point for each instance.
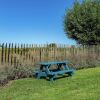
(5, 52)
(15, 56)
(24, 50)
(29, 53)
(21, 49)
(32, 54)
(12, 54)
(40, 53)
(2, 54)
(18, 49)
(9, 52)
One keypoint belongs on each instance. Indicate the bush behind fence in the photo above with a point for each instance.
(29, 54)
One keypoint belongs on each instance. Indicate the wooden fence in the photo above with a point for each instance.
(30, 54)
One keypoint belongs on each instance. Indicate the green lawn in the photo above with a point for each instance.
(84, 85)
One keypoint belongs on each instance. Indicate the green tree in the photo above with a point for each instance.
(82, 22)
(52, 45)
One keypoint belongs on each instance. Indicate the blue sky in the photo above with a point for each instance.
(33, 21)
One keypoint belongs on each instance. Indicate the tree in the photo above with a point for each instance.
(82, 22)
(52, 45)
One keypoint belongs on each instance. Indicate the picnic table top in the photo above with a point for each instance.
(53, 62)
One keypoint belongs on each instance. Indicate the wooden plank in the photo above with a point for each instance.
(9, 52)
(2, 54)
(5, 53)
(15, 62)
(12, 54)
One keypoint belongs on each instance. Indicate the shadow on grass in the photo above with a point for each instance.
(58, 77)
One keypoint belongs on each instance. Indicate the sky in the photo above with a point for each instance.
(33, 21)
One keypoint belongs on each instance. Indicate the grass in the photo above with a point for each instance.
(84, 85)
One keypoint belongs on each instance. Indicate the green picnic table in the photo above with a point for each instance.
(45, 70)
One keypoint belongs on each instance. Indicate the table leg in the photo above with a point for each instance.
(38, 76)
(51, 78)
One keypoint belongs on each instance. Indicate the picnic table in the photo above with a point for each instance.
(62, 68)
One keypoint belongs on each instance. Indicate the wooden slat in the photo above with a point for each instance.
(5, 52)
(12, 53)
(2, 54)
(9, 52)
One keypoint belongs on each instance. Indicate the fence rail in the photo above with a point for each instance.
(30, 54)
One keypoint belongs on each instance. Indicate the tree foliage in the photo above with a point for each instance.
(52, 45)
(82, 22)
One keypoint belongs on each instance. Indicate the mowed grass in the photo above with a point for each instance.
(83, 85)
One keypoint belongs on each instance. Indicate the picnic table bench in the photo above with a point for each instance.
(61, 69)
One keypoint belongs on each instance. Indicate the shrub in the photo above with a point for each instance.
(11, 73)
(3, 77)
